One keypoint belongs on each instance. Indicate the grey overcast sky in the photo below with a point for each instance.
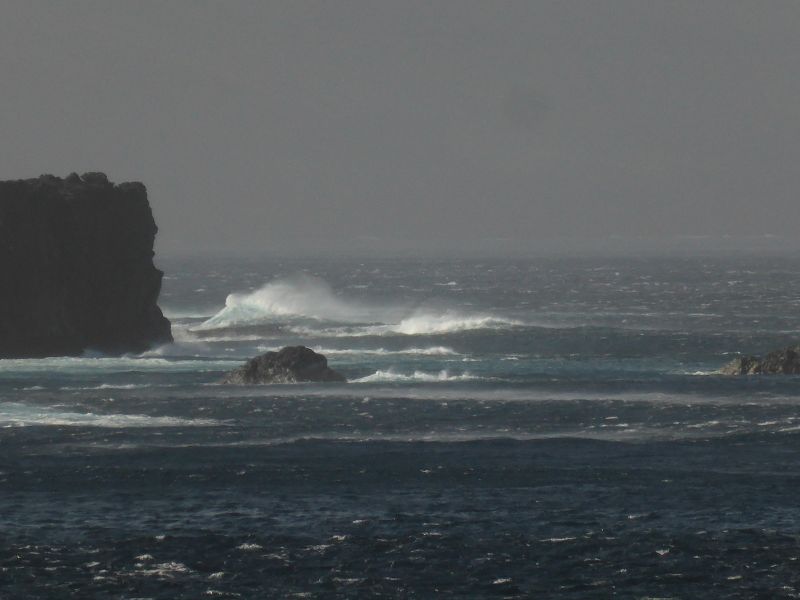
(403, 126)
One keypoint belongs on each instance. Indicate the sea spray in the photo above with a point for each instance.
(430, 351)
(297, 296)
(390, 376)
(305, 298)
(426, 323)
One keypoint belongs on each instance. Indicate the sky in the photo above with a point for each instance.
(406, 127)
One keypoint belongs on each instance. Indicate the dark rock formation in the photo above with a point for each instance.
(76, 268)
(289, 365)
(785, 361)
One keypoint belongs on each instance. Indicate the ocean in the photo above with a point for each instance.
(547, 428)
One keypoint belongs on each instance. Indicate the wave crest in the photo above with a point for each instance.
(303, 298)
(425, 323)
(296, 296)
(417, 376)
(14, 414)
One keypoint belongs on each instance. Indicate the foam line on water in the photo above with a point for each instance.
(390, 376)
(422, 323)
(114, 386)
(14, 414)
(430, 351)
(117, 364)
(419, 323)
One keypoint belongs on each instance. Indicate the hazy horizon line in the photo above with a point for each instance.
(678, 246)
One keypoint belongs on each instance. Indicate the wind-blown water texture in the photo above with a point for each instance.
(514, 429)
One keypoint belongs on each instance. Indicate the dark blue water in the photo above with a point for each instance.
(512, 429)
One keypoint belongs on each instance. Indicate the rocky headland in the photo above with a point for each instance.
(292, 364)
(785, 361)
(76, 268)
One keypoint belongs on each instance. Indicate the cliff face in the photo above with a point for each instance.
(76, 268)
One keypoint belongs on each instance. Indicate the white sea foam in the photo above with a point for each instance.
(188, 340)
(422, 323)
(166, 570)
(111, 386)
(419, 323)
(297, 296)
(249, 547)
(311, 298)
(430, 351)
(13, 414)
(116, 364)
(391, 376)
(210, 339)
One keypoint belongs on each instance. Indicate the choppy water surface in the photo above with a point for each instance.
(511, 429)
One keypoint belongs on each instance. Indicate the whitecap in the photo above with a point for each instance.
(422, 323)
(249, 547)
(299, 296)
(303, 297)
(419, 323)
(429, 351)
(166, 570)
(416, 376)
(14, 414)
(112, 386)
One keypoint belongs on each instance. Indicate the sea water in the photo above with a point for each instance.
(511, 429)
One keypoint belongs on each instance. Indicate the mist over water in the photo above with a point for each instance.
(302, 298)
(499, 415)
(299, 295)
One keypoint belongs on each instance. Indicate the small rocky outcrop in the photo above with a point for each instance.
(292, 364)
(785, 361)
(76, 268)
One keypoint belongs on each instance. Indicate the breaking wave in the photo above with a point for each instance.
(432, 351)
(427, 323)
(300, 299)
(297, 296)
(420, 376)
(419, 324)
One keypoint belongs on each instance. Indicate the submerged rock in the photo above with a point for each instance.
(785, 361)
(76, 268)
(289, 365)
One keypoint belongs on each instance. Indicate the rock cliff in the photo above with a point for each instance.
(76, 268)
